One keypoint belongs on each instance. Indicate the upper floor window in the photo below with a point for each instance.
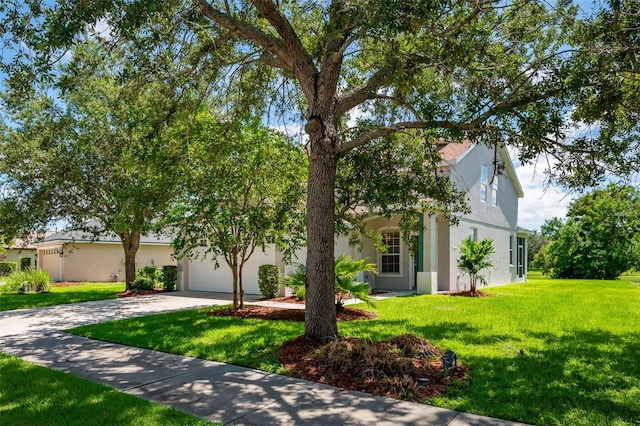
(488, 186)
(494, 192)
(473, 234)
(484, 183)
(390, 261)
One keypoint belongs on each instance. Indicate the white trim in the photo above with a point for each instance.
(400, 250)
(484, 184)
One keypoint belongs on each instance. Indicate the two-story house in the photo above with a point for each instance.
(493, 192)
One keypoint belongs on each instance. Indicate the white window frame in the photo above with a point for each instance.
(400, 250)
(511, 252)
(494, 192)
(484, 183)
(473, 233)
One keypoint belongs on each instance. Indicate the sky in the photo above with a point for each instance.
(540, 201)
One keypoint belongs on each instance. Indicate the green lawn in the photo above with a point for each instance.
(580, 339)
(61, 295)
(32, 395)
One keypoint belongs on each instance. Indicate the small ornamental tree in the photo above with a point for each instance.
(244, 191)
(474, 257)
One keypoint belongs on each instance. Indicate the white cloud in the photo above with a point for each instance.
(293, 130)
(541, 200)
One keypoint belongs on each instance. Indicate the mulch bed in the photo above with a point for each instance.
(286, 299)
(285, 314)
(404, 367)
(134, 293)
(309, 360)
(469, 293)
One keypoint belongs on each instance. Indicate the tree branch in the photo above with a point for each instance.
(301, 62)
(266, 41)
(359, 94)
(379, 132)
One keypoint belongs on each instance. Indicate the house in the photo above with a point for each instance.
(493, 193)
(73, 256)
(18, 250)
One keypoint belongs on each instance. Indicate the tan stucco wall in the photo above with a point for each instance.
(14, 255)
(97, 261)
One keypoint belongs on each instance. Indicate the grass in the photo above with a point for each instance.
(580, 339)
(61, 295)
(32, 395)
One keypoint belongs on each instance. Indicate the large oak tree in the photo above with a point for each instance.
(358, 71)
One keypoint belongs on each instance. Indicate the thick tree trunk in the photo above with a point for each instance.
(130, 244)
(320, 313)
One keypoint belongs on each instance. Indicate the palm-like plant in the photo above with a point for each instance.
(474, 257)
(346, 272)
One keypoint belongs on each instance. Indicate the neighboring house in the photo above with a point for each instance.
(494, 214)
(18, 250)
(72, 256)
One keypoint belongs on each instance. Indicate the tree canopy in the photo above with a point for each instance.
(243, 190)
(102, 154)
(601, 236)
(494, 72)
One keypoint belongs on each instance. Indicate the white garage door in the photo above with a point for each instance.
(204, 277)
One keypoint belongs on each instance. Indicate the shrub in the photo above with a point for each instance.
(268, 280)
(346, 271)
(154, 274)
(37, 280)
(16, 282)
(147, 278)
(25, 263)
(169, 277)
(40, 280)
(142, 282)
(7, 268)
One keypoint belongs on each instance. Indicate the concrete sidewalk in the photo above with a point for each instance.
(212, 390)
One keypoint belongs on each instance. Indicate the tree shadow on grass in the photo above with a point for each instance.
(579, 377)
(34, 395)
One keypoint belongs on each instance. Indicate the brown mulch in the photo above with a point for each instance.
(287, 299)
(285, 314)
(404, 367)
(134, 293)
(469, 293)
(379, 368)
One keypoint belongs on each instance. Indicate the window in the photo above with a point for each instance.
(484, 183)
(521, 258)
(494, 192)
(511, 250)
(390, 261)
(473, 234)
(484, 186)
